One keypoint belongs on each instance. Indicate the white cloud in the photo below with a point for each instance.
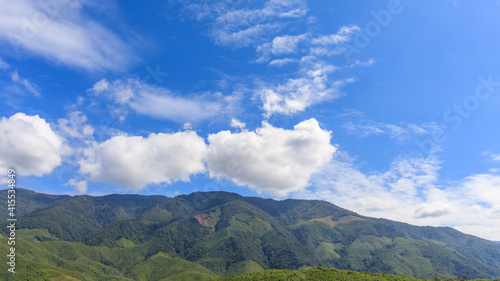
(410, 191)
(286, 44)
(235, 123)
(280, 45)
(483, 188)
(159, 102)
(187, 126)
(434, 209)
(378, 193)
(79, 186)
(28, 144)
(358, 124)
(270, 160)
(3, 64)
(376, 128)
(75, 126)
(492, 156)
(318, 46)
(248, 25)
(60, 31)
(100, 86)
(30, 87)
(282, 62)
(312, 83)
(342, 36)
(245, 37)
(297, 94)
(133, 162)
(267, 27)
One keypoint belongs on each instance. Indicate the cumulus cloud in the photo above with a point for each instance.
(60, 31)
(159, 102)
(28, 144)
(270, 160)
(133, 162)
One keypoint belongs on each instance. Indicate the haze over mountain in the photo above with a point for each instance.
(214, 234)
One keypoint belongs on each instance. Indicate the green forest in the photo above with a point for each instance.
(225, 236)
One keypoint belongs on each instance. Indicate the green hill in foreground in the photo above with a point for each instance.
(207, 235)
(316, 273)
(320, 274)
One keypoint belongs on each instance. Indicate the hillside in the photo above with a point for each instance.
(217, 234)
(317, 273)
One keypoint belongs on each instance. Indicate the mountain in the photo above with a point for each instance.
(206, 235)
(28, 201)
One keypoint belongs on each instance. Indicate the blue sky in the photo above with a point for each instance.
(387, 108)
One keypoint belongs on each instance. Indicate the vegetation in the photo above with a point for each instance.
(203, 236)
(317, 273)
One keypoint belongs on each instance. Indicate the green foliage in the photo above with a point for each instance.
(205, 235)
(163, 267)
(28, 201)
(35, 235)
(70, 218)
(317, 273)
(243, 268)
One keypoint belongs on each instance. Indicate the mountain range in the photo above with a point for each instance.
(209, 235)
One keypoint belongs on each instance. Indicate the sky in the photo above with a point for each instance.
(386, 108)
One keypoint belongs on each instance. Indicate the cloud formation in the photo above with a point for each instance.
(159, 102)
(28, 144)
(410, 191)
(356, 123)
(60, 31)
(313, 82)
(79, 186)
(3, 64)
(133, 162)
(246, 25)
(271, 27)
(270, 160)
(297, 94)
(30, 87)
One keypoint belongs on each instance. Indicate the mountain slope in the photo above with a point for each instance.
(72, 217)
(470, 246)
(28, 201)
(226, 234)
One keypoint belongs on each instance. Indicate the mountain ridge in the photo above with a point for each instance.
(227, 233)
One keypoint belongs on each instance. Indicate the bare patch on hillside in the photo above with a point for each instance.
(63, 278)
(343, 220)
(208, 219)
